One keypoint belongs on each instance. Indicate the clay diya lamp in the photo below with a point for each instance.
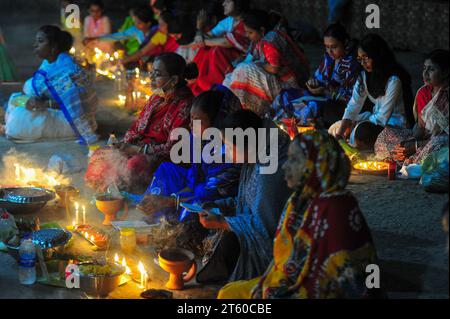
(176, 262)
(110, 205)
(66, 193)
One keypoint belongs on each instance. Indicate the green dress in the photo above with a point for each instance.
(132, 45)
(7, 68)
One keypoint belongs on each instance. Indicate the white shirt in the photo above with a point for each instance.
(387, 110)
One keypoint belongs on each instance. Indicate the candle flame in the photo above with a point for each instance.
(124, 262)
(127, 270)
(141, 267)
(116, 258)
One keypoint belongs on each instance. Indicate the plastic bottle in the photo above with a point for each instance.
(27, 262)
(127, 240)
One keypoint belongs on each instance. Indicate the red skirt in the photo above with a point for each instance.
(213, 64)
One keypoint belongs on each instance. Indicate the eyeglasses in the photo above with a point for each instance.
(363, 59)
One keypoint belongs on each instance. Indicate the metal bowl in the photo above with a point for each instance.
(15, 201)
(48, 252)
(101, 286)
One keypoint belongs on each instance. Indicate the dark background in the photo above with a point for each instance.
(418, 25)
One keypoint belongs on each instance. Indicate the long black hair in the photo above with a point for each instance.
(385, 65)
(143, 13)
(258, 19)
(440, 57)
(62, 40)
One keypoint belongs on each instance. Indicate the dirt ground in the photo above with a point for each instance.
(405, 221)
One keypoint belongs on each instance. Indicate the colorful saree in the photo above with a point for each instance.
(257, 88)
(299, 104)
(205, 181)
(70, 89)
(432, 115)
(214, 63)
(323, 244)
(153, 127)
(252, 216)
(96, 28)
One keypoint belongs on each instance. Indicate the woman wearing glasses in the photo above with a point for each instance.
(129, 164)
(387, 85)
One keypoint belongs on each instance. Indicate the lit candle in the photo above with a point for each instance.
(116, 55)
(76, 212)
(84, 215)
(142, 271)
(124, 262)
(116, 258)
(86, 235)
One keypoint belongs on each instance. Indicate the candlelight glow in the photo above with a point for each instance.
(141, 267)
(116, 258)
(124, 262)
(371, 166)
(36, 177)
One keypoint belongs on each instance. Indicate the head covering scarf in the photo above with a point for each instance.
(322, 244)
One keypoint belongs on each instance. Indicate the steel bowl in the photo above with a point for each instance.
(48, 252)
(16, 203)
(101, 286)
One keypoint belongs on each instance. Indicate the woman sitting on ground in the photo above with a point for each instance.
(142, 31)
(431, 111)
(387, 85)
(242, 247)
(97, 24)
(157, 42)
(277, 63)
(329, 89)
(323, 244)
(222, 47)
(58, 101)
(198, 182)
(130, 164)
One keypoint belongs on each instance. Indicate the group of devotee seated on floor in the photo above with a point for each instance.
(296, 233)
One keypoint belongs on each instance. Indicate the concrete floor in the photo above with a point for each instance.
(405, 221)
